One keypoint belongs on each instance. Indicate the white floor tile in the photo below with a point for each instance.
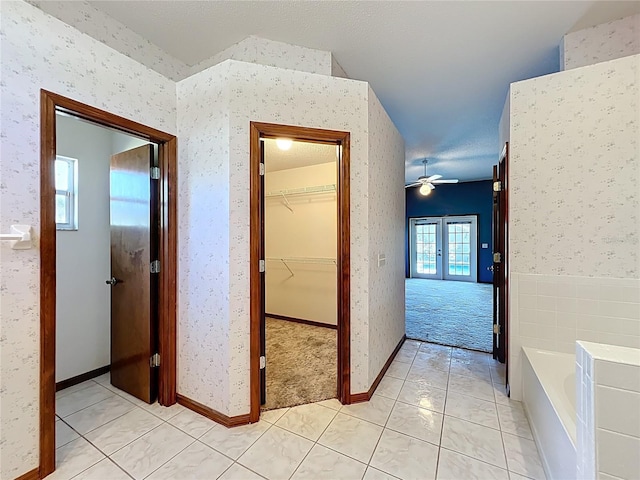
(432, 360)
(165, 413)
(123, 430)
(500, 394)
(99, 414)
(80, 399)
(398, 370)
(469, 369)
(103, 470)
(513, 420)
(405, 356)
(272, 416)
(375, 474)
(152, 450)
(308, 421)
(105, 378)
(482, 389)
(238, 472)
(472, 409)
(74, 388)
(64, 433)
(429, 376)
(75, 457)
(434, 347)
(416, 422)
(455, 466)
(522, 456)
(376, 410)
(515, 476)
(276, 454)
(389, 387)
(405, 457)
(423, 395)
(192, 423)
(461, 353)
(196, 462)
(233, 442)
(477, 441)
(324, 464)
(332, 403)
(351, 436)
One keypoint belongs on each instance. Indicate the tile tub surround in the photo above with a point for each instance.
(608, 404)
(423, 432)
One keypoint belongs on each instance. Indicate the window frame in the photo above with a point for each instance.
(71, 194)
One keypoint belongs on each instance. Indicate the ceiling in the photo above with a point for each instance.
(301, 154)
(441, 69)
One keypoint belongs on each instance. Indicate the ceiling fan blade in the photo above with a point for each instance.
(413, 185)
(446, 181)
(431, 186)
(434, 177)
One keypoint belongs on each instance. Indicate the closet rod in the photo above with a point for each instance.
(303, 191)
(310, 260)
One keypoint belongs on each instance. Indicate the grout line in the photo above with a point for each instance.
(444, 409)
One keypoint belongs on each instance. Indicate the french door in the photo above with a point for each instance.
(444, 248)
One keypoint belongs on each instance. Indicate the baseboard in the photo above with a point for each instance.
(212, 414)
(30, 475)
(366, 396)
(301, 320)
(83, 377)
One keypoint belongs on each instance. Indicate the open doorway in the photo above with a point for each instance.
(108, 272)
(300, 295)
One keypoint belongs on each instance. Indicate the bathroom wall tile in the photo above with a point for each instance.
(618, 375)
(618, 454)
(618, 410)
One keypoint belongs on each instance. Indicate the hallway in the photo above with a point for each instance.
(438, 413)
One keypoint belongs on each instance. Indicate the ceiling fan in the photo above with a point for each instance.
(429, 183)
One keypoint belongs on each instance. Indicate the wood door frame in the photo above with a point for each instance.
(332, 137)
(50, 103)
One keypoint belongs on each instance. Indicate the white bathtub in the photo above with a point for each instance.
(549, 397)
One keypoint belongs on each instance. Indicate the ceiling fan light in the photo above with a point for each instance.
(425, 189)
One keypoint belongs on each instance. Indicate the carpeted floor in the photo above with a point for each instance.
(459, 314)
(301, 364)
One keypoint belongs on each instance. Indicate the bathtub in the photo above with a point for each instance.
(549, 397)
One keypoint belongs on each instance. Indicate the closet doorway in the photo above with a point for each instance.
(299, 266)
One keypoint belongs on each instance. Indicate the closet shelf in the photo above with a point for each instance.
(302, 191)
(308, 260)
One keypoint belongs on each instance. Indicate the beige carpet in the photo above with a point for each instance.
(301, 364)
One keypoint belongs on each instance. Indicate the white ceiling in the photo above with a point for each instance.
(441, 69)
(301, 154)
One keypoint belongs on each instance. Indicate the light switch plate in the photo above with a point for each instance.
(485, 245)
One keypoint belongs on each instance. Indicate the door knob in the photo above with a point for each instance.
(490, 268)
(112, 282)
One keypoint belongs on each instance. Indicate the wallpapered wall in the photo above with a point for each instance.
(575, 209)
(386, 214)
(51, 55)
(608, 41)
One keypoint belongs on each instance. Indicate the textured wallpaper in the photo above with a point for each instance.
(386, 227)
(51, 55)
(608, 41)
(111, 32)
(575, 209)
(273, 54)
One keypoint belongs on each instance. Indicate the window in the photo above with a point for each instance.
(66, 201)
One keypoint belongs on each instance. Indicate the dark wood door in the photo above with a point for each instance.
(134, 237)
(263, 320)
(500, 260)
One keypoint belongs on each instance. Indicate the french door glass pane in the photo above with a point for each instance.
(459, 247)
(426, 249)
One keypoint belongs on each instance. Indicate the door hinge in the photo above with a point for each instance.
(497, 258)
(261, 168)
(496, 329)
(155, 173)
(263, 362)
(497, 186)
(155, 266)
(261, 266)
(154, 360)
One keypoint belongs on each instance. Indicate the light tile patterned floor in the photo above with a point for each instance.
(438, 413)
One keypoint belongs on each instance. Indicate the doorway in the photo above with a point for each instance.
(444, 248)
(325, 263)
(141, 238)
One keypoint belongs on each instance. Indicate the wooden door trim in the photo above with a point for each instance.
(167, 154)
(332, 137)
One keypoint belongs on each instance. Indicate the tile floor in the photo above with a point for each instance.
(438, 413)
